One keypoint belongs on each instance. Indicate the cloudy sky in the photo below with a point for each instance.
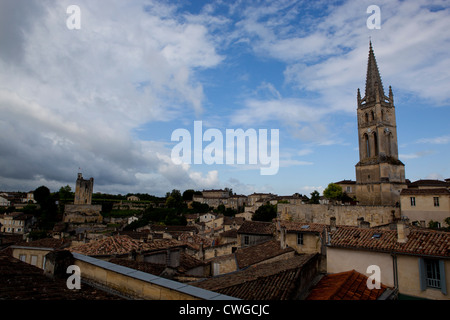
(105, 98)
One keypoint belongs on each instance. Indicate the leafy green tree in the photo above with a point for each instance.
(65, 193)
(188, 195)
(41, 195)
(266, 212)
(333, 191)
(315, 197)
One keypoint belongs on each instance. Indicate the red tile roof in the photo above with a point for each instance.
(293, 226)
(419, 241)
(257, 253)
(431, 191)
(350, 285)
(22, 281)
(269, 281)
(122, 244)
(45, 243)
(257, 227)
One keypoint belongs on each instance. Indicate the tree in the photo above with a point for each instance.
(41, 195)
(315, 197)
(174, 199)
(333, 192)
(188, 195)
(266, 212)
(65, 193)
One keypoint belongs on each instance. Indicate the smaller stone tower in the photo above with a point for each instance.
(83, 190)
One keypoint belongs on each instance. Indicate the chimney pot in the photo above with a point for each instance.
(333, 224)
(402, 232)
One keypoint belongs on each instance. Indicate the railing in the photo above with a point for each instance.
(433, 283)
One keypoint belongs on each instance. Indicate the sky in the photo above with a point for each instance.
(102, 92)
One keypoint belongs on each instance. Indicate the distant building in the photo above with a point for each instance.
(133, 198)
(4, 202)
(348, 186)
(82, 211)
(16, 222)
(83, 190)
(421, 206)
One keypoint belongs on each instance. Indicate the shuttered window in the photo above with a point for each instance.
(432, 274)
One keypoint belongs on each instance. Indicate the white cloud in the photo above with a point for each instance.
(415, 155)
(436, 140)
(72, 97)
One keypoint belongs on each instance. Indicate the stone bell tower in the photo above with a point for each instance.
(380, 175)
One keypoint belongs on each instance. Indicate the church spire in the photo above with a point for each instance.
(374, 86)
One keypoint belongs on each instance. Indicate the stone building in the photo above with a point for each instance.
(380, 175)
(83, 190)
(82, 210)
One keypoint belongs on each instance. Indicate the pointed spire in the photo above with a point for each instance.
(374, 85)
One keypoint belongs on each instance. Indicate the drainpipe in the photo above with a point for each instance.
(395, 270)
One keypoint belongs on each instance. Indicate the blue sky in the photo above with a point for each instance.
(107, 97)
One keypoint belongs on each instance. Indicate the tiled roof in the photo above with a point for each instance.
(45, 243)
(350, 285)
(195, 241)
(122, 244)
(22, 281)
(293, 226)
(420, 242)
(257, 253)
(429, 182)
(257, 227)
(159, 228)
(269, 281)
(146, 267)
(435, 191)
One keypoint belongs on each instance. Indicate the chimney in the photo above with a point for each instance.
(402, 232)
(365, 224)
(359, 221)
(333, 224)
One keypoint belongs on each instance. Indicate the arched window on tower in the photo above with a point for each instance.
(367, 144)
(375, 142)
(373, 115)
(382, 115)
(366, 117)
(389, 144)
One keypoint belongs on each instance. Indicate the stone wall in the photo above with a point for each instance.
(345, 215)
(79, 213)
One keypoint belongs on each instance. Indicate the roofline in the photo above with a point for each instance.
(392, 252)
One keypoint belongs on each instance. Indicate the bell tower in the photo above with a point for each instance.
(380, 175)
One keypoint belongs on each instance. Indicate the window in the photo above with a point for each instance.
(349, 189)
(33, 260)
(246, 240)
(413, 201)
(436, 201)
(300, 238)
(432, 274)
(22, 257)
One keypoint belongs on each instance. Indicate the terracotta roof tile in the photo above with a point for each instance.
(22, 281)
(419, 241)
(349, 285)
(257, 227)
(293, 226)
(45, 243)
(269, 281)
(122, 244)
(254, 254)
(435, 191)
